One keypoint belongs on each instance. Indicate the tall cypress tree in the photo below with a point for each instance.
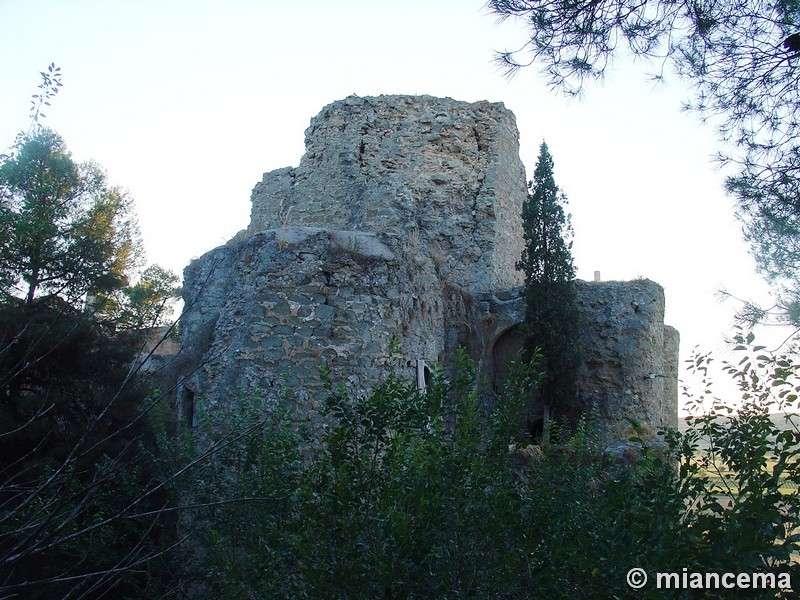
(551, 320)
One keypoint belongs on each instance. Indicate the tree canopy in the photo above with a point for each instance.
(80, 489)
(65, 232)
(742, 59)
(551, 318)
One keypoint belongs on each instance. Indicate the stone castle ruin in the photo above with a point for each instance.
(401, 225)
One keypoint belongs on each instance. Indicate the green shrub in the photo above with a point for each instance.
(433, 495)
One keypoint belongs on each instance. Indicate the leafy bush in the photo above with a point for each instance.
(432, 495)
(405, 496)
(747, 460)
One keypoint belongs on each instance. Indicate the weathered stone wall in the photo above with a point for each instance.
(422, 171)
(630, 357)
(265, 313)
(402, 222)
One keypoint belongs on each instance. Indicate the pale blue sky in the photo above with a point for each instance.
(187, 103)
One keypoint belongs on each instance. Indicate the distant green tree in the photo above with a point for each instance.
(48, 89)
(551, 317)
(141, 306)
(65, 231)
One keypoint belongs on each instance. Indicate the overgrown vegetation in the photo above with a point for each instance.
(82, 511)
(420, 495)
(407, 495)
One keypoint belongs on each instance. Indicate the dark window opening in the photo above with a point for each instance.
(424, 375)
(189, 408)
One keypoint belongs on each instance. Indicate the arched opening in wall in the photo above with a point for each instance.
(506, 349)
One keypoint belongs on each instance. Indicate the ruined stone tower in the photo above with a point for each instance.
(429, 175)
(400, 225)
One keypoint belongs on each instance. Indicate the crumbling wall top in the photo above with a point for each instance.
(416, 170)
